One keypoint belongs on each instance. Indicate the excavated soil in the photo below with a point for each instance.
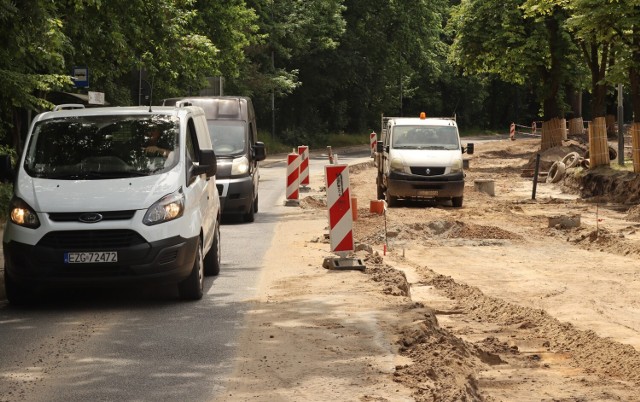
(503, 303)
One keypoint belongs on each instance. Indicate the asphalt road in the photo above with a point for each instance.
(144, 344)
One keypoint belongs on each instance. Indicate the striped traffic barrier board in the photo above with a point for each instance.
(303, 151)
(372, 142)
(339, 206)
(293, 177)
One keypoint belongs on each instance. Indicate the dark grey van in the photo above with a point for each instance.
(234, 134)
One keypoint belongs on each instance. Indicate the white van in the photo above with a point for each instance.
(234, 134)
(114, 195)
(420, 158)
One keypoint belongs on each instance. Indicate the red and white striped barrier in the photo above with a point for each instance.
(339, 206)
(517, 129)
(293, 177)
(373, 137)
(303, 151)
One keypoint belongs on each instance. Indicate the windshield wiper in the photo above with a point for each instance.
(431, 147)
(97, 175)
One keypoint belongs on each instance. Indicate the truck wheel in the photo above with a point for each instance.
(212, 258)
(192, 288)
(391, 200)
(457, 201)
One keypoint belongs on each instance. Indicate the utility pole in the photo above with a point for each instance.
(401, 94)
(273, 101)
(273, 90)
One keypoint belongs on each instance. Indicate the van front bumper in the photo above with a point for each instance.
(404, 185)
(169, 261)
(236, 195)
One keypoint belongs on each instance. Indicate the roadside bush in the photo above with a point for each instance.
(6, 192)
(314, 141)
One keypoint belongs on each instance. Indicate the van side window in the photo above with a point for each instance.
(192, 143)
(191, 154)
(252, 136)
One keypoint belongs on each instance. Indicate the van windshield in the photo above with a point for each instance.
(425, 137)
(227, 137)
(102, 147)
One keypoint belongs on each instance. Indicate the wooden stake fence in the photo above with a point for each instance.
(598, 145)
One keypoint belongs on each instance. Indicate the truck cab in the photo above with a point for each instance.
(420, 158)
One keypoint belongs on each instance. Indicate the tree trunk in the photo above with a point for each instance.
(553, 132)
(554, 125)
(576, 123)
(635, 146)
(612, 126)
(598, 145)
(634, 80)
(576, 126)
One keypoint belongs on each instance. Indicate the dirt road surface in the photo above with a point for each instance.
(500, 300)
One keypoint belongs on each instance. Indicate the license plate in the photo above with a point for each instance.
(427, 193)
(87, 257)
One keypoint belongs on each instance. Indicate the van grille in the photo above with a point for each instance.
(427, 171)
(91, 239)
(106, 216)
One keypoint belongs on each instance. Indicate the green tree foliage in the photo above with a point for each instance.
(31, 61)
(294, 34)
(232, 27)
(608, 35)
(330, 65)
(362, 59)
(117, 37)
(517, 41)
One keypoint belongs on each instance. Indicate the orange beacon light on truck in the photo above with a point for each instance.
(423, 115)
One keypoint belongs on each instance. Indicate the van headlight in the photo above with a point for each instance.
(396, 165)
(22, 214)
(166, 209)
(240, 166)
(456, 166)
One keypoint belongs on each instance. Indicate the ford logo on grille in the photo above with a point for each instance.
(90, 217)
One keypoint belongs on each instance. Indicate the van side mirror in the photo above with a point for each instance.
(6, 169)
(259, 151)
(208, 164)
(379, 146)
(468, 148)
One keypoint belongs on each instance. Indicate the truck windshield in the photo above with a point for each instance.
(227, 137)
(425, 137)
(102, 147)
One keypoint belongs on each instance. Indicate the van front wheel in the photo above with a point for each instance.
(251, 215)
(212, 258)
(192, 288)
(457, 202)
